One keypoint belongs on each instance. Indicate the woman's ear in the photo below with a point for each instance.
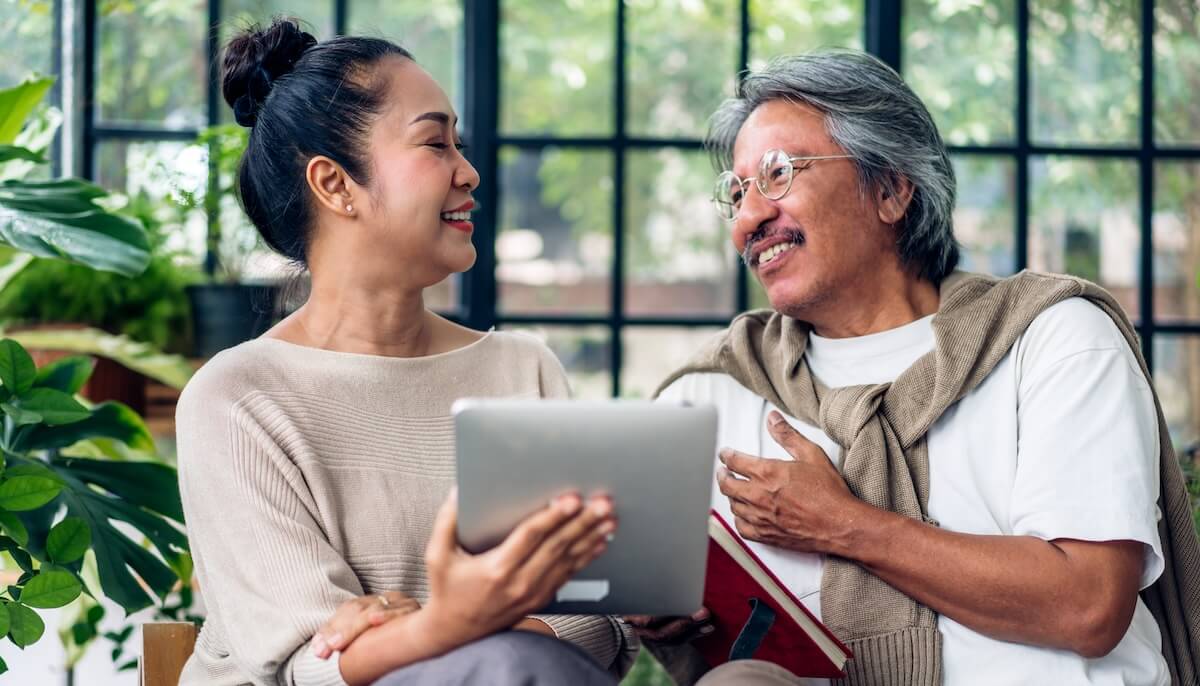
(331, 185)
(893, 203)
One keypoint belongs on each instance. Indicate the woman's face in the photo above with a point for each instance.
(420, 187)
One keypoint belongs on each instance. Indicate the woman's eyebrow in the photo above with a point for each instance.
(439, 117)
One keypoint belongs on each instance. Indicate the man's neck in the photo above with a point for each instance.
(882, 309)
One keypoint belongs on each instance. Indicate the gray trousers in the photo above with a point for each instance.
(511, 658)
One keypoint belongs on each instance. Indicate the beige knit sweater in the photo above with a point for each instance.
(310, 477)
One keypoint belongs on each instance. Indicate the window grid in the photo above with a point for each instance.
(883, 37)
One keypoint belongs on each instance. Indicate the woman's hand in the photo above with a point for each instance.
(356, 616)
(472, 596)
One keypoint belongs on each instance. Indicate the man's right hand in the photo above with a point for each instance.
(671, 629)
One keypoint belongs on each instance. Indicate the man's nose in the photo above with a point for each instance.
(754, 212)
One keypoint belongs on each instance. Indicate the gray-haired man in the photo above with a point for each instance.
(967, 470)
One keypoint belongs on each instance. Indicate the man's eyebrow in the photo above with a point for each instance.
(439, 117)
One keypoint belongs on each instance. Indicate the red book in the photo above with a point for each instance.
(755, 616)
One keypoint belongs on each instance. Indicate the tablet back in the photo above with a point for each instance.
(654, 459)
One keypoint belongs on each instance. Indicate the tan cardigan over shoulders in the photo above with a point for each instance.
(310, 477)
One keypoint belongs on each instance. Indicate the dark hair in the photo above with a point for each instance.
(300, 99)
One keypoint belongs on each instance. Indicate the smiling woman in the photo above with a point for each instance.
(313, 459)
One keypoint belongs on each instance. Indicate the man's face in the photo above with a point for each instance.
(831, 234)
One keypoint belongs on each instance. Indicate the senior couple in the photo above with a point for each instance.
(966, 478)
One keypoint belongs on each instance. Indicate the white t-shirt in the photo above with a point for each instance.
(1060, 441)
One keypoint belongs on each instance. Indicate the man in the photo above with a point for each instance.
(961, 473)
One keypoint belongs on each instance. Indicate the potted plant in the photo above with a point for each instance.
(45, 431)
(228, 309)
(151, 308)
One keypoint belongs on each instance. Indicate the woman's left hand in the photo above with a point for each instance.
(355, 616)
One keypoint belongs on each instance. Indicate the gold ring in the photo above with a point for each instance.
(384, 601)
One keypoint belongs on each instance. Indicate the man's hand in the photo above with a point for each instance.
(671, 629)
(801, 504)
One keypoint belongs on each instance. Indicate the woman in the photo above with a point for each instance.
(313, 459)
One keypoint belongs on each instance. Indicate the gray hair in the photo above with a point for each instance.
(876, 118)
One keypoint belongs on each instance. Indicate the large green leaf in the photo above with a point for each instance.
(27, 492)
(151, 485)
(68, 540)
(51, 588)
(108, 420)
(9, 153)
(67, 374)
(171, 370)
(17, 371)
(60, 219)
(36, 137)
(17, 103)
(13, 267)
(13, 526)
(19, 416)
(25, 626)
(137, 493)
(55, 407)
(3, 619)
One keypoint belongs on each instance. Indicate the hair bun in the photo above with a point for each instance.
(255, 59)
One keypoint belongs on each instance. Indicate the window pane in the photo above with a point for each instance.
(432, 32)
(1085, 71)
(960, 58)
(672, 86)
(678, 257)
(316, 16)
(27, 32)
(1177, 241)
(585, 353)
(1177, 71)
(159, 82)
(554, 248)
(983, 215)
(1084, 222)
(556, 67)
(166, 180)
(786, 27)
(652, 352)
(1177, 380)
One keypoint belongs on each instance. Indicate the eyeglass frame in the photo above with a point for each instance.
(759, 181)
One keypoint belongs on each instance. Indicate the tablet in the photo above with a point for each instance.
(654, 459)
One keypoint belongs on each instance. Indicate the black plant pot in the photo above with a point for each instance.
(224, 315)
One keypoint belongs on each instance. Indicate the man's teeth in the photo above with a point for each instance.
(456, 216)
(773, 252)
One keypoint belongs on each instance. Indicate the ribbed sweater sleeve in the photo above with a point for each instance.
(275, 577)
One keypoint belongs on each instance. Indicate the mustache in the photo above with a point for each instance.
(792, 235)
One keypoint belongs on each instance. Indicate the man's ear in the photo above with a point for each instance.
(331, 185)
(894, 204)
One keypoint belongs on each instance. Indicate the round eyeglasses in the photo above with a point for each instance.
(774, 179)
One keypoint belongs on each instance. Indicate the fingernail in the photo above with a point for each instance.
(335, 641)
(722, 472)
(775, 418)
(568, 504)
(317, 645)
(700, 615)
(706, 630)
(601, 507)
(607, 527)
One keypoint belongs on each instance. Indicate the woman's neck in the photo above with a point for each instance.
(372, 321)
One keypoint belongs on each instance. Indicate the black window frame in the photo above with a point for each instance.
(883, 36)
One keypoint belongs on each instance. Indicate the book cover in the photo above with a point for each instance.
(755, 616)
